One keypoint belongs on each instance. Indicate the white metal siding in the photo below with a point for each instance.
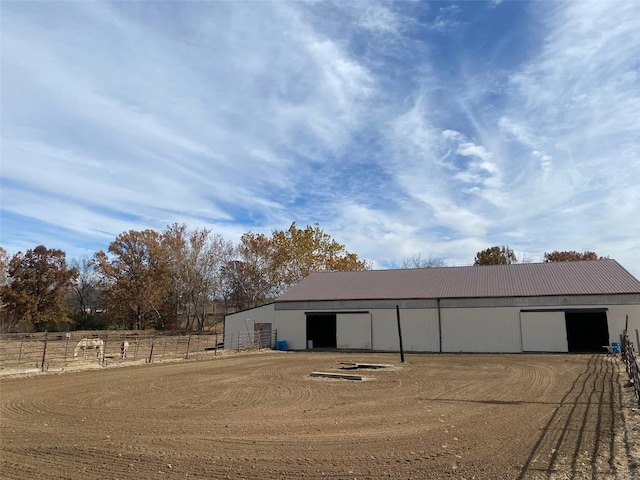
(241, 322)
(544, 332)
(463, 329)
(617, 317)
(292, 327)
(481, 330)
(353, 331)
(419, 330)
(385, 330)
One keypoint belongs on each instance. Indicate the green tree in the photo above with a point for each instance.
(38, 283)
(570, 256)
(495, 256)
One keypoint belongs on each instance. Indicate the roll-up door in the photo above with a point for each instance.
(353, 331)
(544, 331)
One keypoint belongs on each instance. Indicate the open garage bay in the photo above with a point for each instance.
(263, 416)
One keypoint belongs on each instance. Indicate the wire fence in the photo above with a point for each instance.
(76, 350)
(631, 363)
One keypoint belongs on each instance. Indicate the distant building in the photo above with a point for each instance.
(537, 307)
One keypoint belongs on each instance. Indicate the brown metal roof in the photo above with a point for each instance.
(591, 277)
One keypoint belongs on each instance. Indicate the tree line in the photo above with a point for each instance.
(181, 278)
(174, 279)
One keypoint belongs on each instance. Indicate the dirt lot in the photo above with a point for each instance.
(262, 416)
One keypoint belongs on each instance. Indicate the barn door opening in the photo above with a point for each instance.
(321, 330)
(587, 331)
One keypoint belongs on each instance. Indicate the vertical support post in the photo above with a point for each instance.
(135, 352)
(216, 346)
(66, 347)
(626, 324)
(198, 344)
(104, 349)
(20, 353)
(400, 334)
(44, 352)
(186, 356)
(164, 349)
(439, 327)
(151, 350)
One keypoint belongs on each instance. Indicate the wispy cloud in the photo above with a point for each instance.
(399, 126)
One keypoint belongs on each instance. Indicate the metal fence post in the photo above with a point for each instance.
(104, 349)
(151, 351)
(44, 352)
(20, 353)
(66, 346)
(188, 343)
(631, 364)
(135, 352)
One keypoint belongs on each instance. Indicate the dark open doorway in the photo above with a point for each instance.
(321, 330)
(587, 331)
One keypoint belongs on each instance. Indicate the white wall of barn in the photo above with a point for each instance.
(473, 329)
(544, 331)
(239, 323)
(419, 330)
(353, 331)
(616, 317)
(481, 330)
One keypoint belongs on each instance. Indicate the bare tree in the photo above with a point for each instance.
(8, 320)
(85, 289)
(197, 273)
(418, 261)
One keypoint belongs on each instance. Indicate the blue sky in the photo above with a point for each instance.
(400, 127)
